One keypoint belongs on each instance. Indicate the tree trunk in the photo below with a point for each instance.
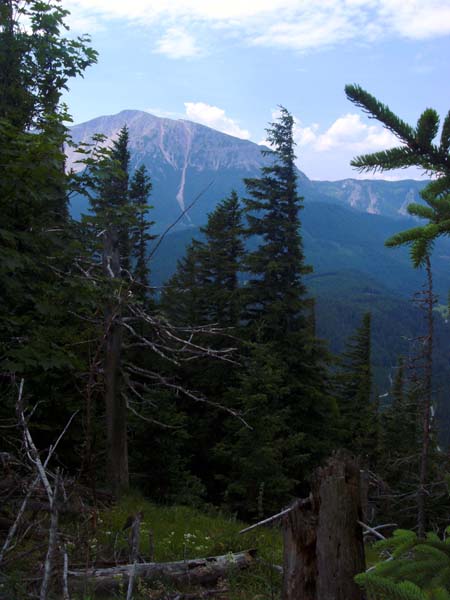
(116, 409)
(324, 547)
(299, 563)
(426, 404)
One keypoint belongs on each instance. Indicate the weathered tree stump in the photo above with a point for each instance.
(300, 564)
(323, 542)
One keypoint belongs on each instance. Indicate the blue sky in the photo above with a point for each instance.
(229, 63)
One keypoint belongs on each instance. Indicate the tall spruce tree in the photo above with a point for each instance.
(418, 148)
(399, 422)
(275, 289)
(399, 444)
(114, 200)
(114, 225)
(112, 220)
(284, 388)
(183, 298)
(221, 259)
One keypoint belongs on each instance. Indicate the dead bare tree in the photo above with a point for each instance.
(52, 541)
(131, 326)
(36, 463)
(41, 482)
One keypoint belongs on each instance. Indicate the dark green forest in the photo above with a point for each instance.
(214, 388)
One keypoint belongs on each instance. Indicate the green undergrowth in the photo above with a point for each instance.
(181, 532)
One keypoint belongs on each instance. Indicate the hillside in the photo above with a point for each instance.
(344, 226)
(336, 239)
(353, 273)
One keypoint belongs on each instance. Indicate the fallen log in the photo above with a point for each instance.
(197, 571)
(196, 595)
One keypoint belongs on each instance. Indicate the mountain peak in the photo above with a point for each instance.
(185, 158)
(180, 143)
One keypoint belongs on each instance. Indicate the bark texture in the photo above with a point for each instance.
(116, 409)
(324, 546)
(428, 302)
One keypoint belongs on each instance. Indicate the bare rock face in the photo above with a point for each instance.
(182, 157)
(174, 142)
(376, 197)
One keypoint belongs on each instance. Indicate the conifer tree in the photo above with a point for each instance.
(418, 569)
(115, 223)
(417, 148)
(275, 289)
(183, 295)
(113, 219)
(140, 189)
(398, 421)
(221, 258)
(113, 202)
(284, 387)
(358, 411)
(400, 440)
(205, 291)
(205, 287)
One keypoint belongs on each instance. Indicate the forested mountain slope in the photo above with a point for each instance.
(344, 226)
(337, 238)
(353, 273)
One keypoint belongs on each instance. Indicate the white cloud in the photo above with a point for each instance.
(177, 43)
(296, 24)
(351, 133)
(304, 136)
(215, 117)
(315, 27)
(417, 19)
(347, 133)
(80, 22)
(203, 10)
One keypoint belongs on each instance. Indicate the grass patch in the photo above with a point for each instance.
(181, 532)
